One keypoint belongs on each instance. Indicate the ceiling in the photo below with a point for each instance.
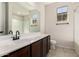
(43, 3)
(22, 8)
(32, 5)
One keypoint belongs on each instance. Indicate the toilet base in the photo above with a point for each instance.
(53, 44)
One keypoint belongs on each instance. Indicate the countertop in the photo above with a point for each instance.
(7, 45)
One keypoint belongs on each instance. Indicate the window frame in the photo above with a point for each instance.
(62, 22)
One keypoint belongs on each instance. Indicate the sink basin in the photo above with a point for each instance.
(6, 43)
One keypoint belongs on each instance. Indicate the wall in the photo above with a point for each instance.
(63, 34)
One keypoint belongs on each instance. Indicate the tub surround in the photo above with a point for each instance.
(7, 45)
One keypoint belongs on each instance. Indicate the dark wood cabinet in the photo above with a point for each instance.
(39, 48)
(44, 46)
(36, 49)
(23, 52)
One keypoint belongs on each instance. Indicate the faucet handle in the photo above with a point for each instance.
(10, 32)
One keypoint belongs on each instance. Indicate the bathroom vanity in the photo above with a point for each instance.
(14, 44)
(27, 46)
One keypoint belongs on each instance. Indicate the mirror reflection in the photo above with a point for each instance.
(22, 18)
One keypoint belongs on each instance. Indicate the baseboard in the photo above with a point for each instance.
(64, 47)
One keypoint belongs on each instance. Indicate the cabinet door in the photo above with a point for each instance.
(36, 49)
(44, 47)
(48, 43)
(24, 52)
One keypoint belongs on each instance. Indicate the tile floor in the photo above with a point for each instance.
(62, 52)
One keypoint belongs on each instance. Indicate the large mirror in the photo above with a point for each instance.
(22, 17)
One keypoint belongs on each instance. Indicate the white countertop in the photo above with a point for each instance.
(7, 45)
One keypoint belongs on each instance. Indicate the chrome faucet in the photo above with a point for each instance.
(17, 34)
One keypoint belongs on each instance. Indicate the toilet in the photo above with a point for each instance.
(53, 44)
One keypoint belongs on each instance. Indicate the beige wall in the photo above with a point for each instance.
(63, 34)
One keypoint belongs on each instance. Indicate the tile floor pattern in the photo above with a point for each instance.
(62, 52)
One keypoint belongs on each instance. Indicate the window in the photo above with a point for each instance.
(62, 14)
